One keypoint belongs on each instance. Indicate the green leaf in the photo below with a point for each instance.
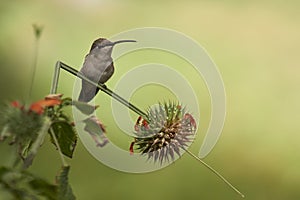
(66, 102)
(24, 185)
(96, 129)
(85, 108)
(66, 137)
(64, 189)
(43, 188)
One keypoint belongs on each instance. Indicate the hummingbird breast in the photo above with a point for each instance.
(98, 69)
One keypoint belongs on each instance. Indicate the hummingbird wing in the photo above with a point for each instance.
(108, 72)
(98, 72)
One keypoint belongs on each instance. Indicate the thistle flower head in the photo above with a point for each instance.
(168, 128)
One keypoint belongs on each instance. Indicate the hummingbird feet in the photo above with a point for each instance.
(104, 87)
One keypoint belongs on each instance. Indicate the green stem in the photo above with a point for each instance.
(102, 87)
(58, 148)
(216, 173)
(34, 66)
(55, 78)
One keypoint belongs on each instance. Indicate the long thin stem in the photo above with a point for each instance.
(102, 87)
(34, 66)
(55, 78)
(58, 148)
(215, 172)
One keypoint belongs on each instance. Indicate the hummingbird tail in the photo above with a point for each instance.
(82, 97)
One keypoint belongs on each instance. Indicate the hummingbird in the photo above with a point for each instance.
(98, 66)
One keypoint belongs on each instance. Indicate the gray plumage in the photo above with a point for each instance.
(98, 66)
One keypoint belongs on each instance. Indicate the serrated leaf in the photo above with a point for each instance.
(25, 185)
(43, 188)
(85, 108)
(64, 189)
(96, 129)
(66, 137)
(93, 124)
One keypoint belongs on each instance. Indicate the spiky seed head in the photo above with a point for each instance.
(168, 128)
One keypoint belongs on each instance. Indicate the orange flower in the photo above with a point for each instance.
(15, 104)
(39, 106)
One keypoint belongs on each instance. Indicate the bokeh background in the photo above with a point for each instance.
(255, 44)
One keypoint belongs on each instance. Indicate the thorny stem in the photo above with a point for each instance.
(216, 173)
(58, 148)
(102, 87)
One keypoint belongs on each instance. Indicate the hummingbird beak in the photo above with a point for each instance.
(114, 43)
(121, 41)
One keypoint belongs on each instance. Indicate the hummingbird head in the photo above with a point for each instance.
(105, 46)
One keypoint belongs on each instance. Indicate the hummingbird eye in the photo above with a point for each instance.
(102, 45)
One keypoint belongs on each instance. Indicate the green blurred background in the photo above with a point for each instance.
(256, 47)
